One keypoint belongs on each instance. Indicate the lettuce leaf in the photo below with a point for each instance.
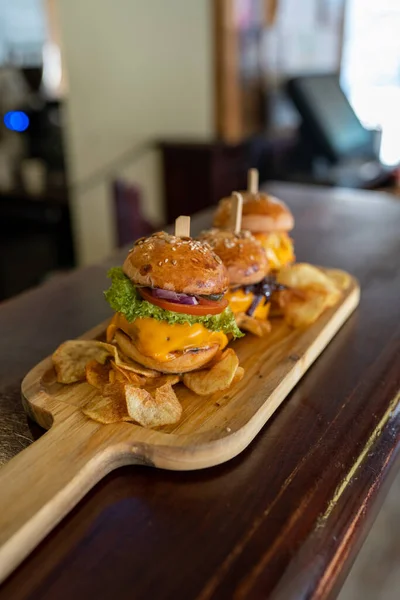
(123, 297)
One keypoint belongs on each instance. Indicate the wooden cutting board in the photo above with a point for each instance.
(42, 483)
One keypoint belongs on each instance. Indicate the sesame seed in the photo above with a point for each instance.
(160, 263)
(166, 260)
(173, 262)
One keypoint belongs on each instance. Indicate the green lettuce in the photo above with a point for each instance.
(123, 297)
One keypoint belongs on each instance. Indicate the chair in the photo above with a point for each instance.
(131, 224)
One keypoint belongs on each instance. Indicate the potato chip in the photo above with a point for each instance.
(301, 312)
(216, 379)
(161, 408)
(70, 359)
(340, 278)
(215, 359)
(238, 375)
(309, 292)
(110, 406)
(97, 374)
(126, 376)
(302, 276)
(252, 325)
(127, 363)
(154, 382)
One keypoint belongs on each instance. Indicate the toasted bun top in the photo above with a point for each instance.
(261, 212)
(241, 253)
(178, 264)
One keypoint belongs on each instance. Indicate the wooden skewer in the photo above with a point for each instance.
(252, 181)
(237, 206)
(182, 227)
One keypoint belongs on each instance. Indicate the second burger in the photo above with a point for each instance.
(250, 288)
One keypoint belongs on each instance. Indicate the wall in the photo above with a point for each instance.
(137, 70)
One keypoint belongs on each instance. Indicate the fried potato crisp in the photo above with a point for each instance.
(302, 311)
(97, 374)
(216, 379)
(110, 406)
(238, 375)
(153, 410)
(341, 279)
(127, 363)
(252, 325)
(309, 292)
(70, 359)
(124, 375)
(163, 378)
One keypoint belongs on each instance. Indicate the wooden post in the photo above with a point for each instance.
(252, 181)
(182, 227)
(237, 207)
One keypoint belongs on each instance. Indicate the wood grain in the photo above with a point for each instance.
(286, 517)
(66, 462)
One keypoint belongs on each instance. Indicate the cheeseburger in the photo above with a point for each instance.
(267, 218)
(250, 289)
(171, 313)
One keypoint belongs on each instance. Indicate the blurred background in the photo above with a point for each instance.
(117, 116)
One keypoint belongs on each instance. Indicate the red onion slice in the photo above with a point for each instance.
(174, 296)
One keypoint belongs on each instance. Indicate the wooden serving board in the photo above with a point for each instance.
(42, 483)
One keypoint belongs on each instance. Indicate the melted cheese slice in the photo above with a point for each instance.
(240, 302)
(279, 248)
(159, 339)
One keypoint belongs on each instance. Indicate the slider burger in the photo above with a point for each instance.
(247, 265)
(171, 313)
(266, 217)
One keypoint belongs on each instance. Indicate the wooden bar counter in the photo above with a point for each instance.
(286, 518)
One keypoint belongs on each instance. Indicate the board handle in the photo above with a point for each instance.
(40, 485)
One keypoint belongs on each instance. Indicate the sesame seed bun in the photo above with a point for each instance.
(181, 363)
(243, 256)
(261, 213)
(176, 264)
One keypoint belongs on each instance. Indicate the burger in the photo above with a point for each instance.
(268, 219)
(171, 311)
(250, 286)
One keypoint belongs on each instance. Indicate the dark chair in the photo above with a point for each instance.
(131, 224)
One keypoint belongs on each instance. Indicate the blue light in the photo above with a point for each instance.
(16, 120)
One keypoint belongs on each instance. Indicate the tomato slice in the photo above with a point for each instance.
(205, 307)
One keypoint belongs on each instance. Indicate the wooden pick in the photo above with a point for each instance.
(182, 227)
(237, 207)
(252, 181)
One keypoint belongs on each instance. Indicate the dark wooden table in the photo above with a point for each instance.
(287, 517)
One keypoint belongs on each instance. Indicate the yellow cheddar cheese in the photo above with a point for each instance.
(159, 339)
(278, 246)
(240, 302)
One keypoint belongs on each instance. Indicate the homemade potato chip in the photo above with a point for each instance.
(309, 292)
(97, 374)
(121, 374)
(162, 408)
(127, 363)
(70, 359)
(216, 379)
(302, 276)
(238, 375)
(341, 279)
(302, 311)
(110, 406)
(215, 359)
(154, 382)
(252, 325)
